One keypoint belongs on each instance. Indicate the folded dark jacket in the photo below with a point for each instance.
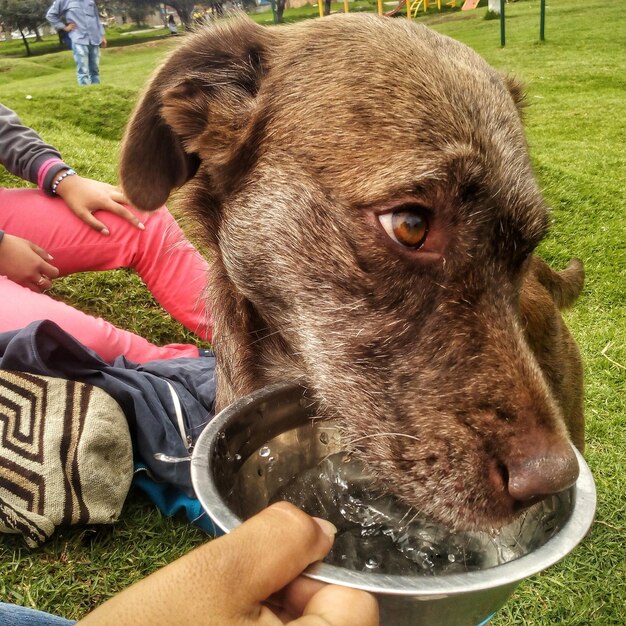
(167, 403)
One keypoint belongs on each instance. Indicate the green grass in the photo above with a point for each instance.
(576, 83)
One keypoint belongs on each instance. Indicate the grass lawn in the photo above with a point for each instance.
(576, 84)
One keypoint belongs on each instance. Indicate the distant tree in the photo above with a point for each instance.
(184, 9)
(24, 15)
(138, 10)
(115, 8)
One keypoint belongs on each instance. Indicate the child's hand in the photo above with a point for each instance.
(250, 577)
(85, 196)
(26, 264)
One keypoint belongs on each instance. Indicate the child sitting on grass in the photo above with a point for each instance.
(74, 224)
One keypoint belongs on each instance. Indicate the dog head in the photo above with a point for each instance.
(367, 193)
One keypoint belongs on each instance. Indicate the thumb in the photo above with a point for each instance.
(276, 545)
(40, 251)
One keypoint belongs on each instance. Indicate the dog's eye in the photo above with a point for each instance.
(407, 226)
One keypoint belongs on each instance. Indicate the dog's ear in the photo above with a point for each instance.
(565, 286)
(195, 108)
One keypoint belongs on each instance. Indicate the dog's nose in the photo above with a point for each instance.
(542, 474)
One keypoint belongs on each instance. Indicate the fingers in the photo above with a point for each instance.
(225, 580)
(118, 196)
(340, 606)
(273, 548)
(113, 206)
(42, 284)
(292, 599)
(41, 280)
(49, 270)
(93, 222)
(85, 196)
(40, 251)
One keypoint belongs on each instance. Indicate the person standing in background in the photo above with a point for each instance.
(171, 24)
(80, 19)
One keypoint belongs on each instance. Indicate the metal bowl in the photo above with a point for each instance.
(229, 482)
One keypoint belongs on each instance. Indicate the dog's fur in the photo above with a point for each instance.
(449, 365)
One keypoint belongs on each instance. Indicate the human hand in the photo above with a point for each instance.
(103, 43)
(84, 196)
(26, 264)
(70, 26)
(250, 577)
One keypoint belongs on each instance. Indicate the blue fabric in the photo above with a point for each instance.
(167, 403)
(14, 615)
(171, 501)
(84, 13)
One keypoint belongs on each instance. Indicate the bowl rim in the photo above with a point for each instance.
(556, 548)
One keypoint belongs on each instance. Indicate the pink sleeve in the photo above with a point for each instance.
(45, 168)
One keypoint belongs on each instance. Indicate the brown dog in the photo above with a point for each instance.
(367, 193)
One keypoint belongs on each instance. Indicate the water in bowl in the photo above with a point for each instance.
(377, 533)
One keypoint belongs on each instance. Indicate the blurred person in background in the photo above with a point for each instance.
(81, 21)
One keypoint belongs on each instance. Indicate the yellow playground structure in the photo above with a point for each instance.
(416, 5)
(412, 7)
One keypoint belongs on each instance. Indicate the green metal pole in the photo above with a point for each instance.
(542, 21)
(502, 33)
